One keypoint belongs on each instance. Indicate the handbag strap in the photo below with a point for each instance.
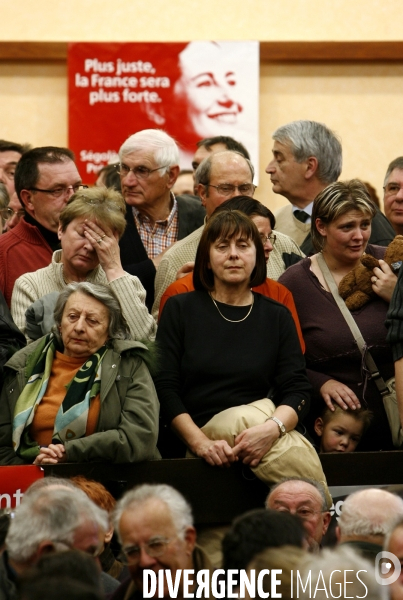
(369, 361)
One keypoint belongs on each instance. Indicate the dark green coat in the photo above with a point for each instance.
(127, 427)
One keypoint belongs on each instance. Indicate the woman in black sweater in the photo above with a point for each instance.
(224, 346)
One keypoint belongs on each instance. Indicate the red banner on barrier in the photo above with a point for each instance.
(191, 90)
(14, 481)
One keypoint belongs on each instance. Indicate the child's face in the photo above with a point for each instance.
(341, 434)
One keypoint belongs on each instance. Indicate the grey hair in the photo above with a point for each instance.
(203, 171)
(316, 484)
(374, 520)
(50, 514)
(309, 138)
(179, 508)
(164, 148)
(118, 328)
(395, 164)
(45, 482)
(330, 566)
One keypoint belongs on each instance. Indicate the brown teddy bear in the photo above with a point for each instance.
(356, 287)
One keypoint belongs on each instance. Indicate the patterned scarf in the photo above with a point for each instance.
(71, 418)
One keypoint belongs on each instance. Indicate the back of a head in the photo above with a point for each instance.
(250, 206)
(163, 147)
(226, 141)
(27, 170)
(310, 138)
(339, 573)
(96, 492)
(257, 530)
(368, 513)
(288, 559)
(45, 482)
(72, 564)
(55, 588)
(51, 514)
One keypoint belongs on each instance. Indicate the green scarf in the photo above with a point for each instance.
(71, 418)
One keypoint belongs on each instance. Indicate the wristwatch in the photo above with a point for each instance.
(280, 425)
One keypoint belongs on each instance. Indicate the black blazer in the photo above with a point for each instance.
(133, 255)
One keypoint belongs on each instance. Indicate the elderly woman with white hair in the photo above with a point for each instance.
(90, 226)
(81, 393)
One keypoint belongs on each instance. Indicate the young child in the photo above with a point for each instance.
(341, 430)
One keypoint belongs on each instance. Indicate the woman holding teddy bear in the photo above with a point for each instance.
(341, 227)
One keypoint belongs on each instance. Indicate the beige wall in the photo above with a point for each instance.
(362, 102)
(135, 20)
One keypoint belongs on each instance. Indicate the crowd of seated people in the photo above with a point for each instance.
(58, 543)
(147, 323)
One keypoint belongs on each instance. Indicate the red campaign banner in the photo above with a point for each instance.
(14, 481)
(191, 90)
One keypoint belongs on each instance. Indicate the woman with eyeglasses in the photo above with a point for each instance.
(90, 226)
(340, 230)
(224, 349)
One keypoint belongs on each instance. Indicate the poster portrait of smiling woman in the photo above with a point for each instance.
(191, 90)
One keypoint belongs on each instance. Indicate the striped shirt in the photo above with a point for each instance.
(157, 236)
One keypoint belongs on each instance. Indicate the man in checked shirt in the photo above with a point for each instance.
(149, 166)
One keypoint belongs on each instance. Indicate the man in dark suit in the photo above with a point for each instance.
(149, 166)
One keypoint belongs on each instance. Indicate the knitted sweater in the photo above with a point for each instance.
(22, 250)
(128, 289)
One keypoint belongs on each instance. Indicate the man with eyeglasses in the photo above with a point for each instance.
(51, 519)
(393, 194)
(156, 219)
(45, 179)
(154, 524)
(307, 157)
(307, 499)
(220, 177)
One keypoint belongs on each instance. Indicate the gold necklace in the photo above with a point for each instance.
(230, 320)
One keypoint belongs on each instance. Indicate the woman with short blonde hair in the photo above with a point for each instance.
(90, 226)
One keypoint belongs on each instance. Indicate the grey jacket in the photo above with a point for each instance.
(127, 427)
